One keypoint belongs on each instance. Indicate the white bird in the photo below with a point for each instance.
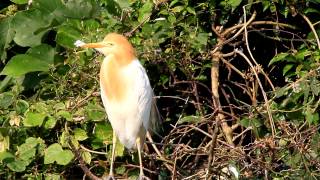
(126, 94)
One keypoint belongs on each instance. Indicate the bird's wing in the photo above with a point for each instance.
(144, 93)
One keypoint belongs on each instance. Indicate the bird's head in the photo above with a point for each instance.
(114, 44)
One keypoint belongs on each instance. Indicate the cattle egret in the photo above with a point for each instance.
(126, 94)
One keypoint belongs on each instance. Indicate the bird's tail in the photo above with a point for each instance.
(155, 118)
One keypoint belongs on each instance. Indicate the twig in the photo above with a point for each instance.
(95, 152)
(312, 29)
(263, 92)
(82, 164)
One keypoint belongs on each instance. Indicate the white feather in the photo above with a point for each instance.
(79, 43)
(129, 116)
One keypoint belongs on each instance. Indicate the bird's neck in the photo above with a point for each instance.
(123, 58)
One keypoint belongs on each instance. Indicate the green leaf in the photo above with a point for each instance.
(50, 122)
(278, 57)
(6, 99)
(312, 117)
(39, 58)
(7, 34)
(65, 157)
(52, 177)
(34, 119)
(80, 134)
(189, 119)
(21, 106)
(20, 1)
(30, 26)
(86, 156)
(65, 114)
(18, 165)
(191, 10)
(177, 9)
(22, 64)
(119, 152)
(55, 153)
(145, 11)
(287, 68)
(67, 35)
(27, 150)
(103, 132)
(95, 112)
(6, 156)
(80, 9)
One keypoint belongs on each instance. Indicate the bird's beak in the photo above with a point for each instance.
(94, 45)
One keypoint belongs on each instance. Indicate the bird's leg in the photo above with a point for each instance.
(141, 176)
(114, 141)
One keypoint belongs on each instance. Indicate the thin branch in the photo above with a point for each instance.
(312, 29)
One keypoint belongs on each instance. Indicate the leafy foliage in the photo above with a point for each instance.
(49, 93)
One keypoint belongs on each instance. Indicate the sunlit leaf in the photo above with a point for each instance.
(20, 1)
(80, 134)
(50, 122)
(34, 119)
(86, 156)
(18, 165)
(103, 131)
(145, 11)
(55, 153)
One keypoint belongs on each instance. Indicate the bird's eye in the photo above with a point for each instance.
(109, 44)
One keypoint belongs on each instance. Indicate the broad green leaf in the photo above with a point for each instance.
(80, 9)
(80, 134)
(44, 52)
(65, 157)
(65, 114)
(39, 58)
(145, 11)
(40, 107)
(30, 26)
(22, 64)
(6, 99)
(67, 35)
(18, 165)
(27, 150)
(278, 57)
(119, 150)
(20, 1)
(86, 156)
(55, 153)
(52, 177)
(34, 119)
(6, 156)
(7, 34)
(103, 131)
(95, 112)
(21, 106)
(312, 117)
(50, 122)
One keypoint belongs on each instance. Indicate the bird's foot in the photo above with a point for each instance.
(109, 177)
(143, 177)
